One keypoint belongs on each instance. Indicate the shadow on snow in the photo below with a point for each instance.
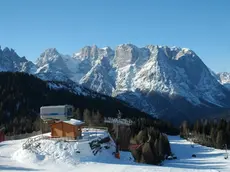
(9, 168)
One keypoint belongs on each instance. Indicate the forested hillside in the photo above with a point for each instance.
(22, 95)
(214, 133)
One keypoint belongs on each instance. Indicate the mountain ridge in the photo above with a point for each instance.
(136, 75)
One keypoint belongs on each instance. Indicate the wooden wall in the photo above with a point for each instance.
(63, 129)
(2, 136)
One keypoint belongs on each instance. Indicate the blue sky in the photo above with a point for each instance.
(30, 26)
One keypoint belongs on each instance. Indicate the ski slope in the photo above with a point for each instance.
(56, 155)
(206, 157)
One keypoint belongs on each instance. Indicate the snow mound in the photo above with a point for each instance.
(70, 152)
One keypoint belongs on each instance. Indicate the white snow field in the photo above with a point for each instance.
(58, 155)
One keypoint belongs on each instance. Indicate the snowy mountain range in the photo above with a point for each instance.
(163, 81)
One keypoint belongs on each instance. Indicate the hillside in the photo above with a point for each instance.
(22, 95)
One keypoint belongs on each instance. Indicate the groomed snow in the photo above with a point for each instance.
(57, 156)
(206, 157)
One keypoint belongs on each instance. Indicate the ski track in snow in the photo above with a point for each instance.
(52, 158)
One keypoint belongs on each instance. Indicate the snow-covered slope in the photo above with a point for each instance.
(168, 71)
(56, 155)
(206, 157)
(75, 88)
(224, 78)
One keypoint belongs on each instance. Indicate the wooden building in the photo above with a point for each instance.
(70, 129)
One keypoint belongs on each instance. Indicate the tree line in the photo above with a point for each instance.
(213, 133)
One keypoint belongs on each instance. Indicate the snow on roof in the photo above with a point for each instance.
(74, 122)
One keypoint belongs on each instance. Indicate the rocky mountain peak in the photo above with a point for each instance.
(126, 54)
(51, 52)
(7, 52)
(93, 52)
(48, 56)
(86, 52)
(10, 61)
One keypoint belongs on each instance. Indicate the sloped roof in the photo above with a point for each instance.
(74, 122)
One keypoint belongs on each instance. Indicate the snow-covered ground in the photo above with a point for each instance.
(56, 155)
(206, 157)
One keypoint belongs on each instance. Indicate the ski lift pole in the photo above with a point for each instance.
(226, 150)
(118, 119)
(117, 154)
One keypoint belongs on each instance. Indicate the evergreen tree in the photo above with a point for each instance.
(228, 134)
(77, 114)
(87, 116)
(220, 139)
(153, 145)
(213, 135)
(206, 128)
(197, 127)
(222, 124)
(184, 129)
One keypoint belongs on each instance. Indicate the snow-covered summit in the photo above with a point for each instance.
(47, 56)
(224, 78)
(51, 65)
